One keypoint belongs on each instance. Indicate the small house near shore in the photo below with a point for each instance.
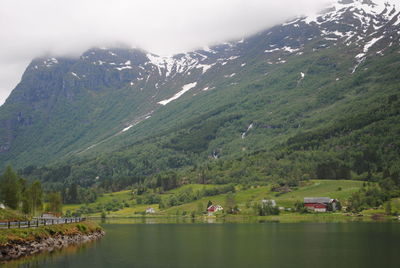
(48, 216)
(150, 211)
(268, 202)
(320, 204)
(214, 208)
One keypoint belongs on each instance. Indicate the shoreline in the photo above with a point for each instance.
(29, 242)
(283, 218)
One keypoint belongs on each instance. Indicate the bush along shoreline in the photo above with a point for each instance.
(17, 243)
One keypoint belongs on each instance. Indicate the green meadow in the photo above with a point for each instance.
(245, 198)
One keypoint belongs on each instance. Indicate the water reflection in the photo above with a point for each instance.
(160, 220)
(186, 242)
(41, 259)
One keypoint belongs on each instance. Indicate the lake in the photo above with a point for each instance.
(233, 245)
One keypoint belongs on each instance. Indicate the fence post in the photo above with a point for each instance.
(19, 224)
(8, 225)
(37, 223)
(44, 222)
(29, 224)
(52, 222)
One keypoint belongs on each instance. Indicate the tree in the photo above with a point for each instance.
(168, 180)
(31, 197)
(55, 202)
(10, 188)
(355, 202)
(266, 208)
(161, 204)
(36, 193)
(230, 204)
(388, 208)
(299, 207)
(209, 204)
(25, 197)
(73, 193)
(200, 208)
(338, 206)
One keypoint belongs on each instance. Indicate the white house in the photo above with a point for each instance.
(270, 202)
(2, 206)
(150, 211)
(49, 216)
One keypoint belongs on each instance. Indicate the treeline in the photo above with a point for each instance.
(108, 173)
(75, 194)
(19, 194)
(113, 205)
(184, 196)
(374, 196)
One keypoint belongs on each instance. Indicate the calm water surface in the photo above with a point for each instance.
(234, 245)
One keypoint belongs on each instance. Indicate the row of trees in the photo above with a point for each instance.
(75, 194)
(28, 197)
(370, 196)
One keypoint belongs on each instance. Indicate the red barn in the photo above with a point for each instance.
(214, 208)
(320, 204)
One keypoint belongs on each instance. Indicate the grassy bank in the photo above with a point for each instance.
(315, 218)
(16, 236)
(244, 197)
(225, 218)
(11, 215)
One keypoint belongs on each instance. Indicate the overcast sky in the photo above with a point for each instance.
(32, 28)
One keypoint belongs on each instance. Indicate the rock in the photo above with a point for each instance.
(14, 251)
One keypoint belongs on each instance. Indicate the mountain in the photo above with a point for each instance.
(319, 90)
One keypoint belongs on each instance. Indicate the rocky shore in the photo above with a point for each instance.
(20, 249)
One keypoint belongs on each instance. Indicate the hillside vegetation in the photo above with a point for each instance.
(191, 200)
(11, 215)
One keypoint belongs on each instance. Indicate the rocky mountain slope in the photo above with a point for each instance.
(224, 101)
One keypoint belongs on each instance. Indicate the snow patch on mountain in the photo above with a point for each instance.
(230, 75)
(205, 67)
(50, 62)
(74, 74)
(247, 131)
(185, 89)
(123, 68)
(272, 50)
(127, 128)
(361, 56)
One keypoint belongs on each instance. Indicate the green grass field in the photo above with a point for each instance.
(339, 189)
(103, 199)
(11, 215)
(127, 197)
(316, 188)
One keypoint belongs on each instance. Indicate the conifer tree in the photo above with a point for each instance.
(10, 188)
(55, 203)
(36, 194)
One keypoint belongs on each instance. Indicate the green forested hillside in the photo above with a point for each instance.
(331, 125)
(300, 101)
